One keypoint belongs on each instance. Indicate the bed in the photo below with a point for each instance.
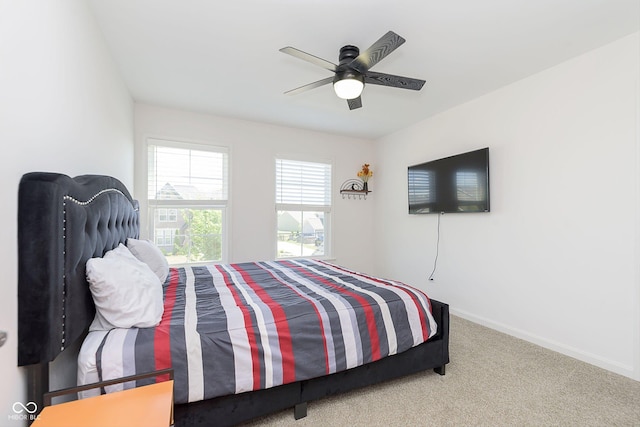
(65, 222)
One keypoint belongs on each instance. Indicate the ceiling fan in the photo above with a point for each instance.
(353, 70)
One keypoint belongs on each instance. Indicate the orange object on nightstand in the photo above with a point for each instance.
(150, 405)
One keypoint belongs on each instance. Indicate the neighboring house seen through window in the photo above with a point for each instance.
(188, 196)
(303, 205)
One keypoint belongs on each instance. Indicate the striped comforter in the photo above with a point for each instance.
(232, 328)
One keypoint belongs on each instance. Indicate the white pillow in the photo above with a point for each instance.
(127, 294)
(147, 252)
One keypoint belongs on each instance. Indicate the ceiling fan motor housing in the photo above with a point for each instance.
(343, 71)
(348, 53)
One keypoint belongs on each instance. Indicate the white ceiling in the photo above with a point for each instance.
(222, 57)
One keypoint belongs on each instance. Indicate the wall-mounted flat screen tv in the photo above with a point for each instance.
(452, 184)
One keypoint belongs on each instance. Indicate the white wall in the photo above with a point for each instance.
(63, 108)
(556, 259)
(253, 149)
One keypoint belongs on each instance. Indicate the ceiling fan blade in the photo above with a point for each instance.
(354, 103)
(393, 81)
(309, 86)
(309, 58)
(377, 52)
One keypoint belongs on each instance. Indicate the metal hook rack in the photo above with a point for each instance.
(354, 188)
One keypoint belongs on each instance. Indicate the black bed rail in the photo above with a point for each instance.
(71, 390)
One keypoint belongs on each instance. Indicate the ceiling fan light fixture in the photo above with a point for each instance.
(348, 85)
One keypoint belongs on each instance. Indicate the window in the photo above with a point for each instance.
(303, 205)
(188, 195)
(167, 215)
(165, 237)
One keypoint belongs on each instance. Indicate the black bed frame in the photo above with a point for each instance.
(64, 221)
(238, 408)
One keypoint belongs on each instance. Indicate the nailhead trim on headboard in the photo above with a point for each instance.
(64, 237)
(106, 190)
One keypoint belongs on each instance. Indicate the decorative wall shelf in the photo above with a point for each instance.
(354, 188)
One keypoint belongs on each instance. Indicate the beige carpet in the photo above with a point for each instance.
(493, 380)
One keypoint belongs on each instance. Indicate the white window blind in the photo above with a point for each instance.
(303, 183)
(303, 208)
(187, 174)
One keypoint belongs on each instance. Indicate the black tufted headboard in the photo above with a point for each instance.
(62, 222)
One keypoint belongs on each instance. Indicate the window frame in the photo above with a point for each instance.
(222, 205)
(326, 209)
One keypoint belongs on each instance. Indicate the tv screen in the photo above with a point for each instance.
(458, 183)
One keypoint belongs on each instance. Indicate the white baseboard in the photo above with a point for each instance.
(610, 365)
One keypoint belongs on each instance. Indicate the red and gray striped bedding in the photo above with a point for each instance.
(231, 328)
